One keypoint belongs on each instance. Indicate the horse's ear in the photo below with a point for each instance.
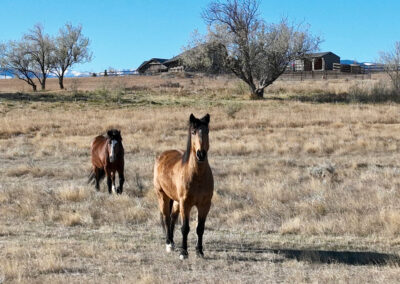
(192, 119)
(206, 118)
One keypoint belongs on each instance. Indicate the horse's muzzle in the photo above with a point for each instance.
(201, 155)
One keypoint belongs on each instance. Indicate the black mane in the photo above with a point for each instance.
(186, 155)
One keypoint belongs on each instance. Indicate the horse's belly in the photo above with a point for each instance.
(169, 189)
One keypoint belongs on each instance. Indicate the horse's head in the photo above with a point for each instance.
(199, 136)
(114, 144)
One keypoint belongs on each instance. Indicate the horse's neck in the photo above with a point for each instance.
(193, 168)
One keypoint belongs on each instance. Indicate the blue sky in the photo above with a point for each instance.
(124, 33)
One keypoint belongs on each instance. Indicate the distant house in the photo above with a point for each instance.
(316, 62)
(154, 65)
(157, 65)
(174, 62)
(177, 63)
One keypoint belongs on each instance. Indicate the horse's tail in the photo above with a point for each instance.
(102, 173)
(92, 175)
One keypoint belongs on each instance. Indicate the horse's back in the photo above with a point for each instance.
(168, 159)
(98, 141)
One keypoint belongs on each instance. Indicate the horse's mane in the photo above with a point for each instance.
(185, 157)
(113, 134)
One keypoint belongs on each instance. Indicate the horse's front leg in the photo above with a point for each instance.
(121, 181)
(201, 220)
(184, 209)
(113, 188)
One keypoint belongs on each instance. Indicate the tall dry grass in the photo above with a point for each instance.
(268, 159)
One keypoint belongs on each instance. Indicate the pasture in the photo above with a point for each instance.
(304, 191)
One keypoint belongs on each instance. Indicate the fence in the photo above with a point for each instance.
(116, 73)
(321, 75)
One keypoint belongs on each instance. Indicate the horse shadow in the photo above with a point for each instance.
(247, 252)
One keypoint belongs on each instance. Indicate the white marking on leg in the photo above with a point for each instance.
(113, 188)
(169, 247)
(183, 257)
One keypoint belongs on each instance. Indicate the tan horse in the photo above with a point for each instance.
(183, 180)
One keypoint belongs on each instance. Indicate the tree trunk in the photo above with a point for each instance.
(257, 93)
(43, 83)
(61, 81)
(34, 87)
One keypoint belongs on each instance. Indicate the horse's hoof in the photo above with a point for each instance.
(184, 255)
(200, 254)
(169, 247)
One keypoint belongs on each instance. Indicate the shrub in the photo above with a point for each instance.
(377, 93)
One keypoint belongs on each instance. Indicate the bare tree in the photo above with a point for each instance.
(17, 59)
(391, 63)
(71, 47)
(256, 52)
(2, 50)
(41, 50)
(2, 55)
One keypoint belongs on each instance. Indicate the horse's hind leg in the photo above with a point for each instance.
(174, 217)
(98, 176)
(201, 220)
(164, 203)
(96, 172)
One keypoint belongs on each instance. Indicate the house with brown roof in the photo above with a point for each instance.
(154, 65)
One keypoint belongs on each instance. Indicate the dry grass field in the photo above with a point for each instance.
(304, 191)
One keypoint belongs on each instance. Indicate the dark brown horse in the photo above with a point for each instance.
(183, 179)
(107, 159)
